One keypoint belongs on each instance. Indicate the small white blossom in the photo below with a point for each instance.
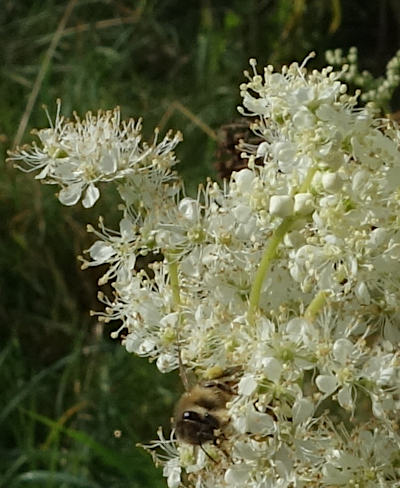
(303, 203)
(281, 205)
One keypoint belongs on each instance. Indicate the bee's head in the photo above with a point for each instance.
(196, 427)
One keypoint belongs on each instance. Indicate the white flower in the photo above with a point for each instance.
(115, 248)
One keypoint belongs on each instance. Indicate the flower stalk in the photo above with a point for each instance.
(270, 252)
(316, 305)
(265, 263)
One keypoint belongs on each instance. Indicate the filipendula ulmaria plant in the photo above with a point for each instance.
(288, 272)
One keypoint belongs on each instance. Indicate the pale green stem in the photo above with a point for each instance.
(316, 305)
(270, 252)
(266, 260)
(307, 181)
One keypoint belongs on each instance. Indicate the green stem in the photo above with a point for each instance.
(270, 251)
(315, 306)
(266, 260)
(307, 181)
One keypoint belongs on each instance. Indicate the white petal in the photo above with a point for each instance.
(345, 398)
(331, 181)
(174, 476)
(91, 196)
(324, 112)
(262, 150)
(296, 272)
(334, 476)
(189, 209)
(303, 118)
(393, 178)
(170, 320)
(166, 363)
(237, 475)
(284, 465)
(359, 180)
(245, 176)
(391, 332)
(65, 169)
(127, 228)
(132, 343)
(266, 329)
(242, 212)
(294, 239)
(108, 163)
(302, 410)
(362, 293)
(272, 369)
(244, 450)
(304, 94)
(256, 105)
(101, 252)
(297, 328)
(326, 383)
(71, 194)
(247, 385)
(342, 349)
(240, 424)
(284, 152)
(143, 348)
(259, 423)
(377, 408)
(43, 173)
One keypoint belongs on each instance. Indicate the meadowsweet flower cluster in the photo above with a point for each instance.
(290, 271)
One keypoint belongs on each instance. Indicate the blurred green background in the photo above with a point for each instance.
(65, 386)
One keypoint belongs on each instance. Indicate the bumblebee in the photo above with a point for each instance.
(201, 414)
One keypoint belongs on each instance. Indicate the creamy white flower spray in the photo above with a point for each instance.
(289, 271)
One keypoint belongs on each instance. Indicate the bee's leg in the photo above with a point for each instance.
(207, 454)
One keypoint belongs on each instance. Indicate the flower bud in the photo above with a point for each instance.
(281, 205)
(303, 203)
(331, 182)
(244, 179)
